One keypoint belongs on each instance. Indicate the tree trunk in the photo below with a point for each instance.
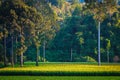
(116, 3)
(21, 59)
(99, 59)
(15, 55)
(12, 54)
(44, 51)
(108, 56)
(5, 58)
(71, 52)
(37, 56)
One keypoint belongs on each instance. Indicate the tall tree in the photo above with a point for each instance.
(5, 36)
(20, 19)
(100, 9)
(46, 28)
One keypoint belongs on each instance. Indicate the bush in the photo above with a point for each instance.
(1, 64)
(84, 59)
(89, 59)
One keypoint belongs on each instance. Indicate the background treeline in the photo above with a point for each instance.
(55, 31)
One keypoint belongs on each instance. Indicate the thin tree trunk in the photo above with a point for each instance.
(99, 58)
(37, 56)
(108, 56)
(5, 58)
(12, 54)
(21, 59)
(71, 52)
(44, 51)
(116, 3)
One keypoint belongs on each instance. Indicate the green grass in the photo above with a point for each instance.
(63, 69)
(59, 78)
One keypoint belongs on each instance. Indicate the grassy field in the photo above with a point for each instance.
(59, 78)
(61, 69)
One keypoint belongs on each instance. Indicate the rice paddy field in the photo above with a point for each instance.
(63, 69)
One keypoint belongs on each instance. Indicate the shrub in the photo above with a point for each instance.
(85, 59)
(90, 59)
(1, 64)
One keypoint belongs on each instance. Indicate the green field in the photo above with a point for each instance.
(78, 67)
(59, 78)
(61, 69)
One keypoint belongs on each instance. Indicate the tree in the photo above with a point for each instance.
(100, 10)
(108, 46)
(20, 19)
(4, 32)
(67, 36)
(37, 45)
(45, 30)
(5, 36)
(58, 3)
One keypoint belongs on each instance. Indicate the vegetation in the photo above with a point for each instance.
(58, 31)
(25, 25)
(62, 38)
(63, 69)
